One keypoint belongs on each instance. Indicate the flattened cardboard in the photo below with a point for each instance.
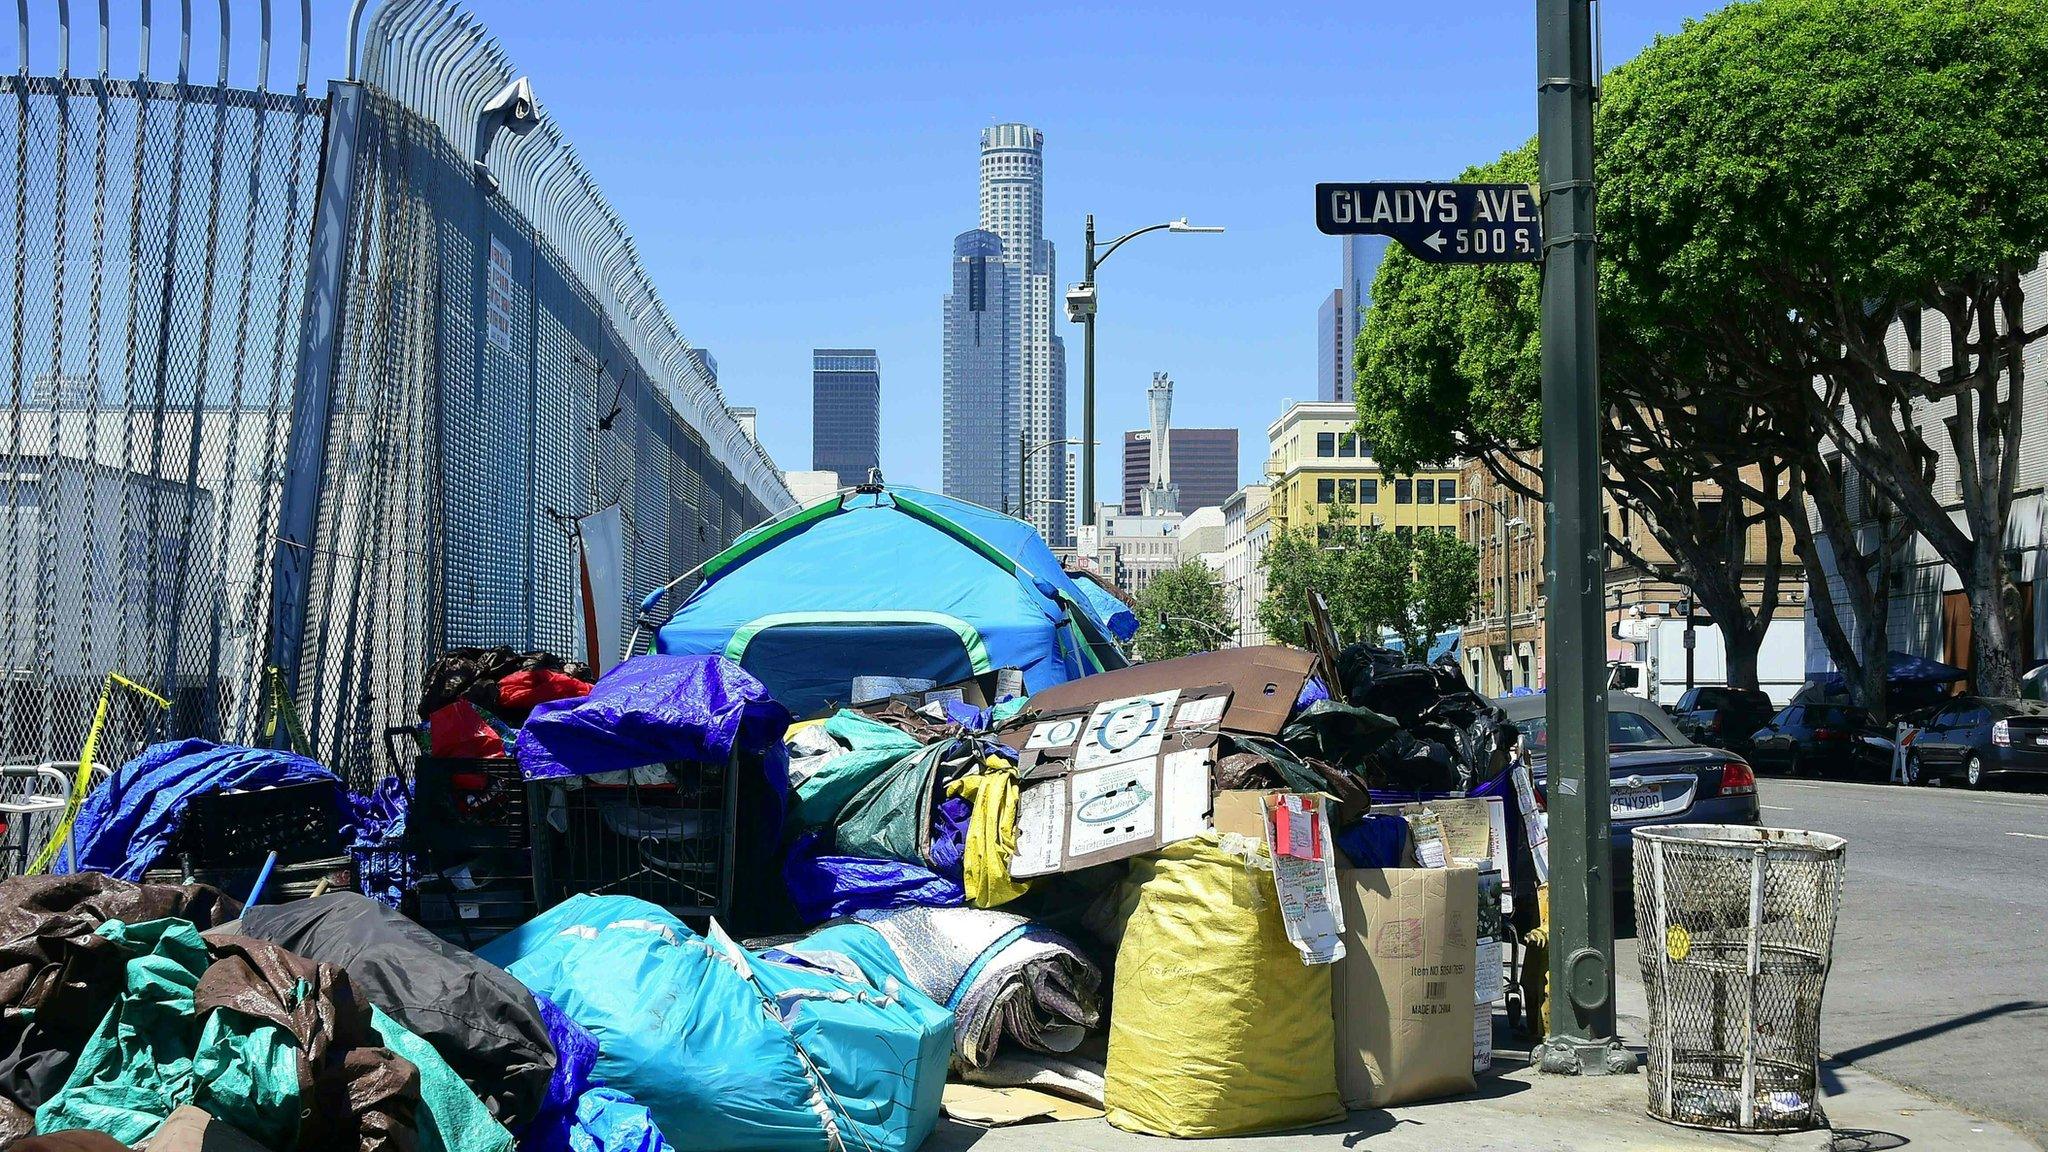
(1073, 820)
(1001, 1107)
(1403, 991)
(1265, 682)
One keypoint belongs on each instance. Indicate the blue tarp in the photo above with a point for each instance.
(651, 710)
(127, 822)
(1116, 616)
(734, 1051)
(891, 583)
(1901, 668)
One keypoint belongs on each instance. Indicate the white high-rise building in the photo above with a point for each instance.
(1013, 209)
(1161, 495)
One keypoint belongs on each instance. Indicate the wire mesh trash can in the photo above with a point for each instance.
(1736, 928)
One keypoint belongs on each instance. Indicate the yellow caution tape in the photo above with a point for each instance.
(81, 784)
(1677, 942)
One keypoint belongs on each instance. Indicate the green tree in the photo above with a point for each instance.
(1445, 588)
(1838, 203)
(1374, 582)
(1463, 341)
(1181, 611)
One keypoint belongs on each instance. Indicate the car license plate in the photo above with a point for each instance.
(2042, 740)
(1631, 801)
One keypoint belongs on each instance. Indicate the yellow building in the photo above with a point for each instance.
(1317, 465)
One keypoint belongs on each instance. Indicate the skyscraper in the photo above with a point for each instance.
(979, 438)
(1362, 255)
(1204, 467)
(1161, 495)
(1332, 349)
(1033, 480)
(846, 412)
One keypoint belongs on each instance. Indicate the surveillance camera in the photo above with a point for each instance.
(513, 107)
(1080, 302)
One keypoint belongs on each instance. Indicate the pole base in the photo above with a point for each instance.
(1577, 1056)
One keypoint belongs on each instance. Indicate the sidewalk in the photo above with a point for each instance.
(1518, 1109)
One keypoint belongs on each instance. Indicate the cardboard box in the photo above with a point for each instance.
(1120, 778)
(1264, 683)
(1403, 991)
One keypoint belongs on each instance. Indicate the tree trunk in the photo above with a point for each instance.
(1995, 671)
(1742, 652)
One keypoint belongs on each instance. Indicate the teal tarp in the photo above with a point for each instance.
(735, 1051)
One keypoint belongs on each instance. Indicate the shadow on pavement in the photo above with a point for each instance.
(1901, 1039)
(1866, 1140)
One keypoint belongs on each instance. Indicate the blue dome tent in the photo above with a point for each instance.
(889, 582)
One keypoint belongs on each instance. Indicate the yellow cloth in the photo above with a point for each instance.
(991, 833)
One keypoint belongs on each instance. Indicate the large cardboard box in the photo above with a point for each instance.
(1403, 993)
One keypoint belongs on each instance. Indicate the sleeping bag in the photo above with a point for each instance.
(814, 1047)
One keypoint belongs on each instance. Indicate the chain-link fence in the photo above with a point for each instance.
(225, 448)
(502, 366)
(155, 238)
(1737, 927)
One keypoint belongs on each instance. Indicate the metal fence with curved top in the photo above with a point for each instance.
(317, 384)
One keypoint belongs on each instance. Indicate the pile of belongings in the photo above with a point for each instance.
(822, 1043)
(475, 699)
(1402, 727)
(149, 1013)
(893, 807)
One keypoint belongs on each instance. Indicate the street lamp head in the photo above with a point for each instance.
(1182, 225)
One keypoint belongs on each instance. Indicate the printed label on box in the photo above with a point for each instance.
(1112, 806)
(1127, 729)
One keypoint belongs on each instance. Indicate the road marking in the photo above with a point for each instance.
(2028, 835)
(1773, 808)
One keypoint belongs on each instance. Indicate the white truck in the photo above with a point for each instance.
(1658, 661)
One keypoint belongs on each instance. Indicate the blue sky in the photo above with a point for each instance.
(794, 173)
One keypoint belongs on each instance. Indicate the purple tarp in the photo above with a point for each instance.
(650, 710)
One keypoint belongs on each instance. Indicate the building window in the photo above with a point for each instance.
(1404, 531)
(1404, 491)
(1368, 491)
(1347, 445)
(1326, 444)
(1326, 491)
(1447, 491)
(1425, 491)
(1347, 491)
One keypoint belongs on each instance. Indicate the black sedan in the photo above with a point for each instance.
(1655, 774)
(1973, 738)
(1823, 739)
(1722, 717)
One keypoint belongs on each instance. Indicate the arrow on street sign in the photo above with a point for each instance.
(1440, 223)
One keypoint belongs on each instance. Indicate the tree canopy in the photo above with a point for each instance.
(1374, 582)
(1181, 611)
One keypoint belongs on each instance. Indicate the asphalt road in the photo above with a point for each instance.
(1940, 980)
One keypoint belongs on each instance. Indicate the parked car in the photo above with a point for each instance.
(1720, 717)
(1823, 740)
(1655, 774)
(1973, 738)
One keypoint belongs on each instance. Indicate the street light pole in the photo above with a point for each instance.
(1024, 457)
(1507, 581)
(1581, 1039)
(1081, 307)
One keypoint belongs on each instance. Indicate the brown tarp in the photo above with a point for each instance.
(57, 979)
(360, 1096)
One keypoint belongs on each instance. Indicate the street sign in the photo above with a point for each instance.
(1440, 223)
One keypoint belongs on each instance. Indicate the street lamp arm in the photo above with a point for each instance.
(1127, 238)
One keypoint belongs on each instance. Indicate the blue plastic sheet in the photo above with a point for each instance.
(127, 822)
(826, 887)
(653, 709)
(561, 1111)
(608, 1120)
(733, 1050)
(1380, 840)
(384, 872)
